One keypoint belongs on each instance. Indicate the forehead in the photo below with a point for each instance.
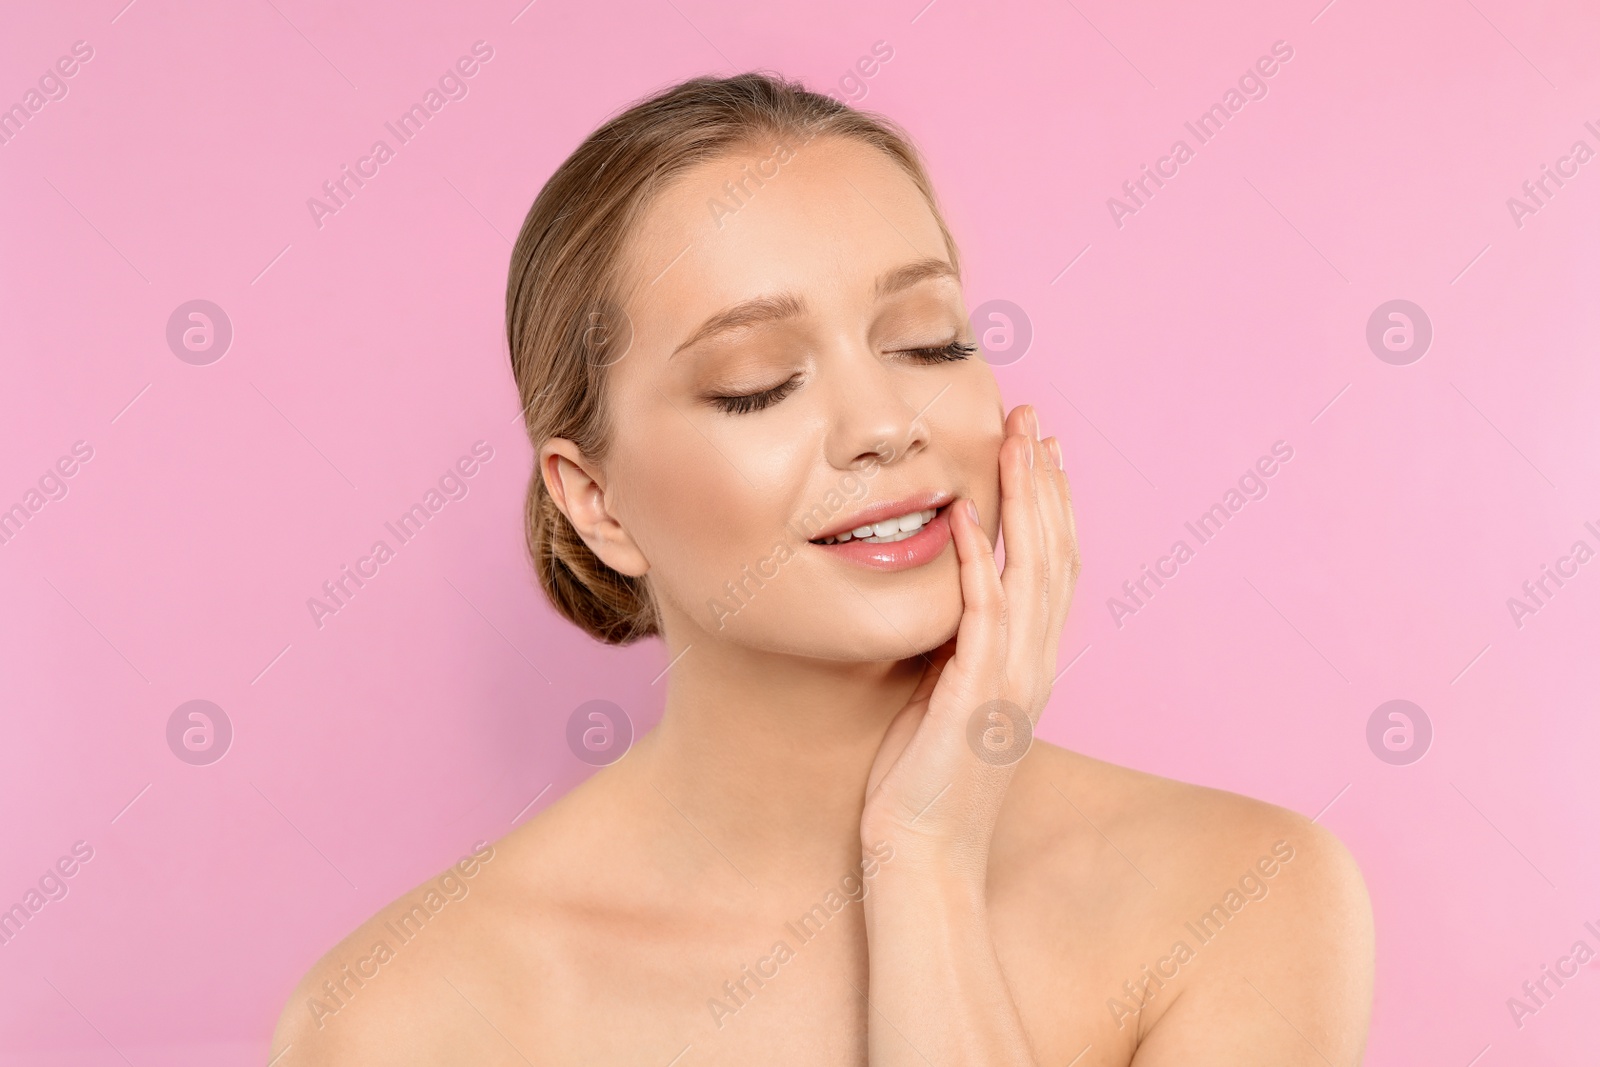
(822, 220)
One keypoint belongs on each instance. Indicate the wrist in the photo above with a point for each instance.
(919, 884)
(921, 856)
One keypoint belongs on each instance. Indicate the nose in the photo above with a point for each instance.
(874, 422)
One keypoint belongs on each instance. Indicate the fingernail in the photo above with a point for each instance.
(1028, 441)
(1055, 453)
(972, 512)
(1033, 420)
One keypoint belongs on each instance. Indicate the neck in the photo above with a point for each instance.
(767, 755)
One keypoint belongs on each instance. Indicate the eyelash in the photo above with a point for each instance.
(743, 405)
(953, 352)
(950, 353)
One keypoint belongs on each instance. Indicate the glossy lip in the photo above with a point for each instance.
(889, 509)
(924, 546)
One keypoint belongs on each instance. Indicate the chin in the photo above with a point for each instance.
(810, 609)
(874, 625)
(924, 627)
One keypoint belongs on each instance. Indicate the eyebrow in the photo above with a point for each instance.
(766, 310)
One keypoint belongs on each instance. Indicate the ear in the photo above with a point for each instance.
(578, 488)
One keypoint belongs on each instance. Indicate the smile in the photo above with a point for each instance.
(892, 536)
(886, 532)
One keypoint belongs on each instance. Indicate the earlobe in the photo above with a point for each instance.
(578, 488)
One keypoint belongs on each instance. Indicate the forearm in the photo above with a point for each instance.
(935, 991)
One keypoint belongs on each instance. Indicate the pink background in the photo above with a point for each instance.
(1228, 313)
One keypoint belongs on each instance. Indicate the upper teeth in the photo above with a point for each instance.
(877, 533)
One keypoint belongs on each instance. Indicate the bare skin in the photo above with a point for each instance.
(814, 758)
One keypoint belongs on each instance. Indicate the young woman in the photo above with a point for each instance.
(766, 436)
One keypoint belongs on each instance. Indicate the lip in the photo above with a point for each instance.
(924, 546)
(889, 509)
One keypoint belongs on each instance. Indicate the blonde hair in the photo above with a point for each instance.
(565, 323)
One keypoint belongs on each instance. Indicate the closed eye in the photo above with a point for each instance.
(950, 353)
(745, 403)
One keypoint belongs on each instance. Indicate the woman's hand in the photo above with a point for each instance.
(935, 991)
(936, 785)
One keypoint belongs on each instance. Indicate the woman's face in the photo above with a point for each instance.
(801, 365)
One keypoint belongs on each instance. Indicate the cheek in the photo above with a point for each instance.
(971, 431)
(696, 516)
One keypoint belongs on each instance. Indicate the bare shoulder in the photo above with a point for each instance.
(375, 997)
(1252, 923)
(426, 979)
(1190, 832)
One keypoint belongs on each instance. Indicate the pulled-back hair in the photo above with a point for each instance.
(565, 322)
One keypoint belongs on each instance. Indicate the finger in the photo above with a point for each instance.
(1027, 577)
(981, 632)
(1056, 550)
(1053, 508)
(1061, 536)
(1066, 489)
(1074, 560)
(1022, 420)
